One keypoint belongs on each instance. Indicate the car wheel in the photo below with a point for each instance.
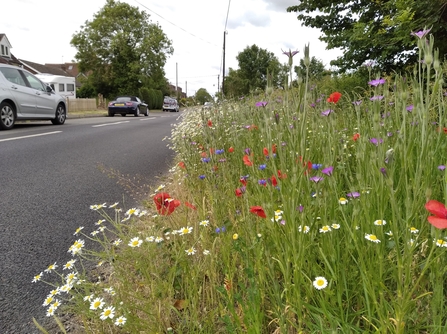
(147, 112)
(137, 112)
(7, 116)
(111, 114)
(61, 115)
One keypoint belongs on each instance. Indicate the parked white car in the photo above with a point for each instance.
(24, 97)
(170, 104)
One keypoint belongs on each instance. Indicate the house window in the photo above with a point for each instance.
(61, 87)
(70, 67)
(70, 87)
(3, 49)
(6, 50)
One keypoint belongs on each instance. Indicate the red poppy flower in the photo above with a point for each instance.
(189, 205)
(182, 164)
(258, 210)
(238, 192)
(247, 160)
(243, 180)
(274, 148)
(231, 149)
(274, 181)
(203, 154)
(266, 151)
(210, 124)
(356, 136)
(334, 97)
(439, 220)
(211, 150)
(281, 175)
(165, 204)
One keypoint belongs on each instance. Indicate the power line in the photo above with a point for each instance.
(175, 24)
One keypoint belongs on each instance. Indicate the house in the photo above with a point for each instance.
(6, 57)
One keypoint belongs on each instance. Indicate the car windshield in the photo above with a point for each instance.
(123, 99)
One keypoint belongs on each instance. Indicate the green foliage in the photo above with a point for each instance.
(374, 30)
(122, 50)
(144, 95)
(273, 196)
(87, 90)
(254, 65)
(316, 70)
(203, 96)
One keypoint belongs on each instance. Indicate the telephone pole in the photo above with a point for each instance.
(223, 74)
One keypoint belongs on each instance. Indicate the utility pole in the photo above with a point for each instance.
(218, 83)
(176, 80)
(223, 74)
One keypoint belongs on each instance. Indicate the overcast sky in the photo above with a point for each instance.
(40, 31)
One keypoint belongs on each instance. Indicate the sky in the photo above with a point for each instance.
(41, 32)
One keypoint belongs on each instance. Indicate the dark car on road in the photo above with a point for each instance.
(24, 97)
(128, 105)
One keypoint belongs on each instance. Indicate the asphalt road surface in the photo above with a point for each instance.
(49, 177)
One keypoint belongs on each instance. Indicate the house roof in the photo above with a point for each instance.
(39, 68)
(4, 36)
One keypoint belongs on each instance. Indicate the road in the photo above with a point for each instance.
(49, 177)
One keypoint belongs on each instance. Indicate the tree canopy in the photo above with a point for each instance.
(203, 96)
(378, 30)
(122, 50)
(254, 65)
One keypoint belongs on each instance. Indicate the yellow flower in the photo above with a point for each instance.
(235, 236)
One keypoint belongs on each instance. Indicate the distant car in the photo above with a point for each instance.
(128, 105)
(170, 104)
(207, 105)
(24, 97)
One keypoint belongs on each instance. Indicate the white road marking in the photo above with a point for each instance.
(106, 124)
(145, 119)
(30, 136)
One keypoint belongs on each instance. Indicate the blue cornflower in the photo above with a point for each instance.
(262, 167)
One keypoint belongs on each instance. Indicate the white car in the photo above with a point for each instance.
(170, 104)
(24, 97)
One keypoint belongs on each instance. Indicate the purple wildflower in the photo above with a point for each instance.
(354, 194)
(202, 177)
(328, 170)
(376, 141)
(221, 151)
(421, 33)
(383, 170)
(261, 104)
(357, 103)
(247, 151)
(316, 179)
(206, 160)
(376, 82)
(441, 167)
(300, 208)
(316, 166)
(409, 108)
(262, 182)
(262, 167)
(376, 97)
(289, 53)
(326, 112)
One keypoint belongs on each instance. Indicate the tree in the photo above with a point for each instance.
(316, 69)
(122, 50)
(254, 64)
(378, 30)
(203, 96)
